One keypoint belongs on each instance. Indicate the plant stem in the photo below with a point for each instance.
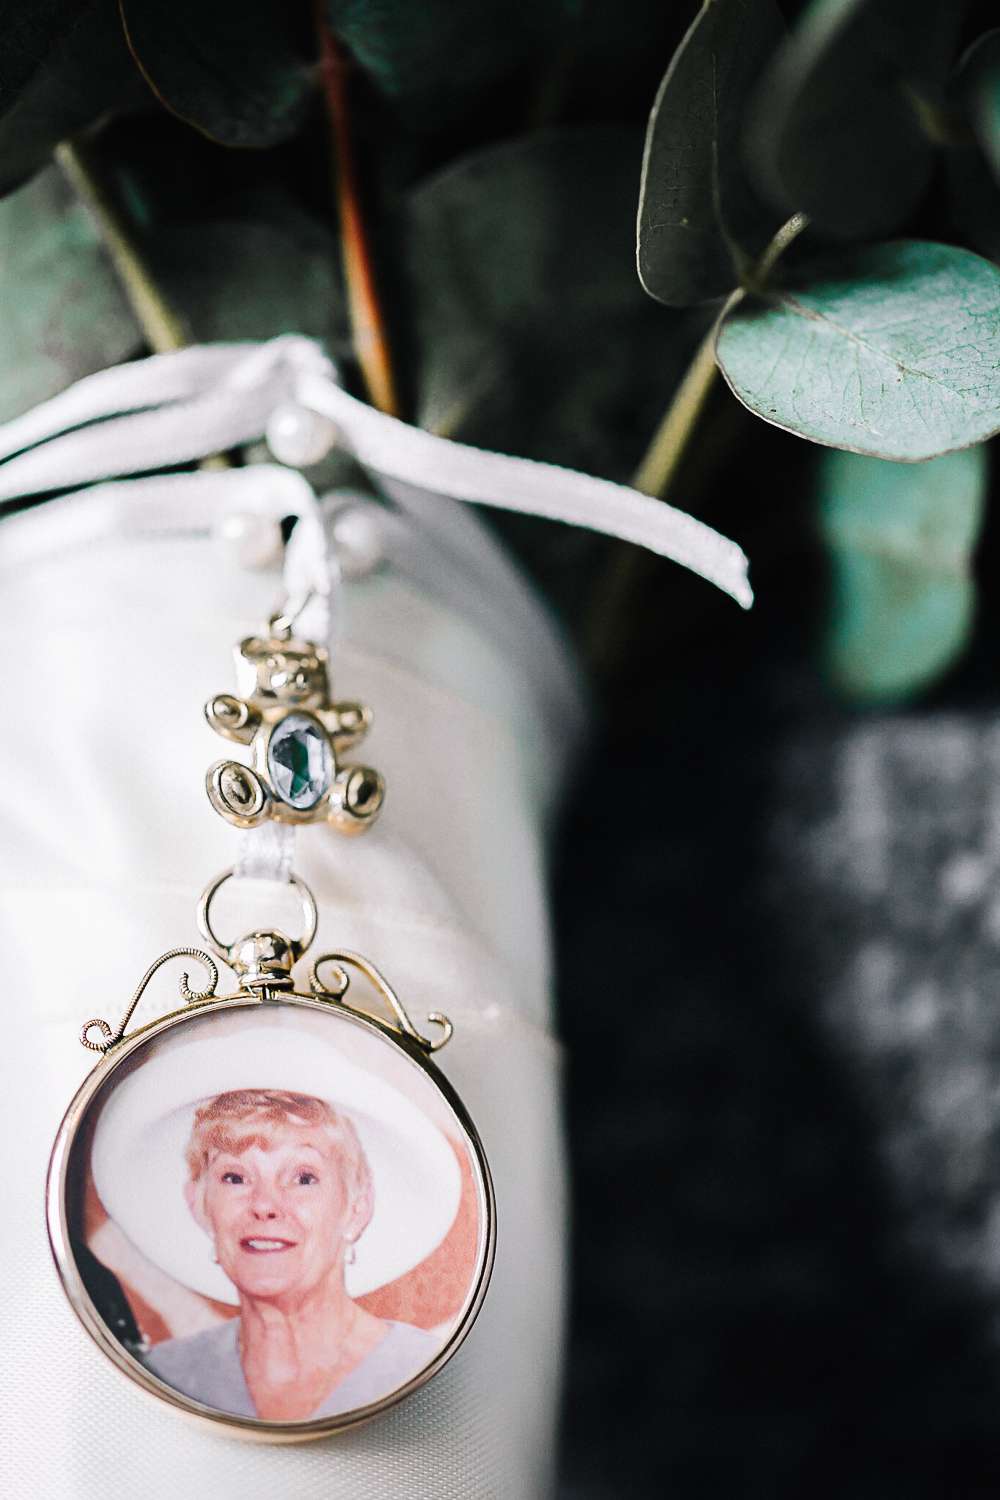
(656, 472)
(367, 324)
(789, 231)
(658, 469)
(161, 325)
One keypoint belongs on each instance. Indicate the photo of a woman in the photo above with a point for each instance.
(281, 1186)
(262, 1168)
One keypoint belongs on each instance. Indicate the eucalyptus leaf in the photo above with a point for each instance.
(697, 215)
(531, 332)
(62, 66)
(901, 538)
(240, 71)
(847, 120)
(892, 351)
(62, 314)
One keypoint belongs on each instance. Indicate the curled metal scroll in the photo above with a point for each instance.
(112, 1038)
(340, 956)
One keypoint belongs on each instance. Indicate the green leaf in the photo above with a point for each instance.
(61, 68)
(696, 211)
(531, 331)
(892, 351)
(62, 315)
(901, 538)
(238, 70)
(845, 126)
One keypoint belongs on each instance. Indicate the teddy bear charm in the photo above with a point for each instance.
(284, 712)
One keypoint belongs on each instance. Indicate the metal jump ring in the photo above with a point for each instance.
(298, 945)
(282, 624)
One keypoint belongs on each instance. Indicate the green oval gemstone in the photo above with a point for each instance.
(300, 762)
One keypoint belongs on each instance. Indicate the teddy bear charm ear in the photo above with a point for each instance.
(283, 711)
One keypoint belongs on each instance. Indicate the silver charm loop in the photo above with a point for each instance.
(265, 957)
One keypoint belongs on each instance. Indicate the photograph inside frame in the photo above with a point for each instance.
(277, 1214)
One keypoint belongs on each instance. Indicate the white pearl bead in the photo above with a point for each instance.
(300, 437)
(249, 541)
(358, 541)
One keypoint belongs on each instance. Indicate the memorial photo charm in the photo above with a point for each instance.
(269, 1208)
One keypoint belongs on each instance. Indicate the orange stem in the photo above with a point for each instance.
(367, 325)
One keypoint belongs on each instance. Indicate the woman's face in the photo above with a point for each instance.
(280, 1217)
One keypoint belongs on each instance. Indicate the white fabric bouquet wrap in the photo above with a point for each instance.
(120, 610)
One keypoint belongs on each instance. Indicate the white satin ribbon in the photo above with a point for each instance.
(174, 408)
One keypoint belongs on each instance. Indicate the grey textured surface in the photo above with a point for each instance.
(890, 831)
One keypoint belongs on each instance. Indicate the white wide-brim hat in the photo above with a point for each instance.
(139, 1153)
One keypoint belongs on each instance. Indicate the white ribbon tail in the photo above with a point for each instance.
(168, 409)
(174, 408)
(398, 451)
(144, 383)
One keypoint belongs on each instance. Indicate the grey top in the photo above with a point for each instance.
(207, 1368)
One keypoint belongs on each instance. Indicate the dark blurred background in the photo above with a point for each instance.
(783, 1052)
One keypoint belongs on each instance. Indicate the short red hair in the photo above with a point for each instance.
(252, 1117)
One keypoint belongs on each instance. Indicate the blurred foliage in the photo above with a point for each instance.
(844, 126)
(243, 74)
(901, 538)
(532, 332)
(265, 269)
(62, 312)
(244, 278)
(974, 198)
(891, 350)
(502, 174)
(63, 65)
(977, 82)
(430, 58)
(240, 72)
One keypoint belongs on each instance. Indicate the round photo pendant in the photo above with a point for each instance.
(273, 1214)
